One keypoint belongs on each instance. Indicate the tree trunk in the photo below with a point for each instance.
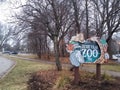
(62, 48)
(76, 16)
(110, 49)
(87, 20)
(56, 49)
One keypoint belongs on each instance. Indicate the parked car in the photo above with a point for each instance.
(116, 57)
(14, 52)
(118, 60)
(6, 52)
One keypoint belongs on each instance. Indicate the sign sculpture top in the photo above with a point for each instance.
(85, 51)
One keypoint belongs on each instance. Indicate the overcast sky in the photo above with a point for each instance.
(7, 9)
(4, 11)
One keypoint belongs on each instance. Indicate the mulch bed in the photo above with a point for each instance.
(45, 80)
(94, 85)
(42, 80)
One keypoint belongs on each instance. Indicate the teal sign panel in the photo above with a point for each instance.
(90, 50)
(103, 41)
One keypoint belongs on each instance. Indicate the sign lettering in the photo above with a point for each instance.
(90, 50)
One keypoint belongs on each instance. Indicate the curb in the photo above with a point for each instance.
(8, 71)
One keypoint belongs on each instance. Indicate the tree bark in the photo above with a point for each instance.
(109, 48)
(76, 16)
(87, 20)
(56, 49)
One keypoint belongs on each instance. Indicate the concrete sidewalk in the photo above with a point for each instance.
(5, 66)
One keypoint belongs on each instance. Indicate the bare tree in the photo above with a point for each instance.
(53, 17)
(108, 18)
(87, 20)
(5, 33)
(78, 14)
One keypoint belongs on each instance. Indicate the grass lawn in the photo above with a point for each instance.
(18, 77)
(32, 56)
(112, 67)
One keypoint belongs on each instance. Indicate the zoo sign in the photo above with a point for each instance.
(90, 50)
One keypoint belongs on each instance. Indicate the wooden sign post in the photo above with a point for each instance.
(86, 51)
(98, 71)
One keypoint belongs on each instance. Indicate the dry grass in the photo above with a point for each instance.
(111, 65)
(45, 57)
(18, 77)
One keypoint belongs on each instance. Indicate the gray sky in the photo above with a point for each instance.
(4, 11)
(7, 9)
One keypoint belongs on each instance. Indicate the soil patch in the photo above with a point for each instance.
(42, 80)
(46, 80)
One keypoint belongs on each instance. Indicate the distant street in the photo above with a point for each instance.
(5, 66)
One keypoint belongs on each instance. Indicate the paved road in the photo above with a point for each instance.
(5, 66)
